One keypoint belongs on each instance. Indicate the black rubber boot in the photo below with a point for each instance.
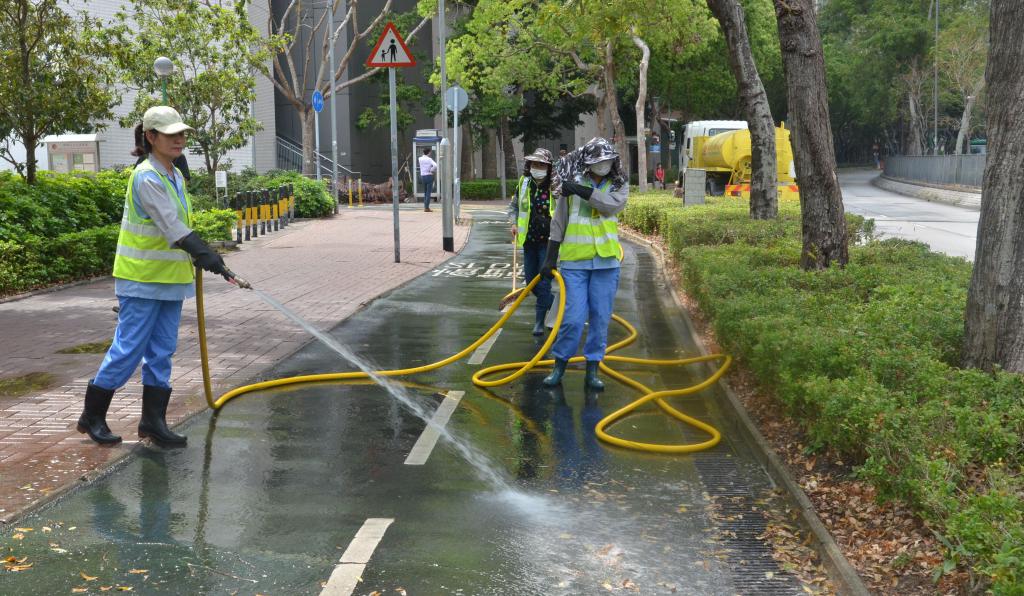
(591, 379)
(154, 418)
(93, 420)
(538, 326)
(557, 371)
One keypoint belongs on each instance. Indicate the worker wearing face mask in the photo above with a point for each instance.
(530, 213)
(584, 238)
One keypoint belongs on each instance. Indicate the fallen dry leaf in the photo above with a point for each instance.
(17, 567)
(23, 530)
(79, 590)
(47, 530)
(87, 578)
(125, 588)
(138, 571)
(18, 536)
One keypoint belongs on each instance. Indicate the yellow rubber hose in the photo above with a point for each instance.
(480, 378)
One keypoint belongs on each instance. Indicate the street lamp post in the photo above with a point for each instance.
(163, 67)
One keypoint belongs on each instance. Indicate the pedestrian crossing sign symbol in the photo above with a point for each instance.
(390, 51)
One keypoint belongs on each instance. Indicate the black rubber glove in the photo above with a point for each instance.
(571, 188)
(203, 255)
(550, 259)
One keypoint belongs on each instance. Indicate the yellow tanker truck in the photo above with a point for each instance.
(726, 158)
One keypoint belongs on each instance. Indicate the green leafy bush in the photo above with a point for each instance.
(34, 261)
(865, 358)
(215, 224)
(59, 203)
(484, 190)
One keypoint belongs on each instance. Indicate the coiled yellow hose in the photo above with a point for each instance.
(480, 378)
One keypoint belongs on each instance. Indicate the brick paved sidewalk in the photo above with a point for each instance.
(322, 269)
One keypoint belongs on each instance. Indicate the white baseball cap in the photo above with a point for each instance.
(164, 119)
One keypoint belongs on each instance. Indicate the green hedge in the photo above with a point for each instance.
(483, 190)
(59, 203)
(34, 262)
(214, 224)
(312, 199)
(865, 358)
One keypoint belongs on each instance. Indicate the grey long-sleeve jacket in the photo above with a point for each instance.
(607, 203)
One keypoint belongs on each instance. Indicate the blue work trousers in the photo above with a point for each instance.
(428, 187)
(533, 260)
(589, 298)
(147, 332)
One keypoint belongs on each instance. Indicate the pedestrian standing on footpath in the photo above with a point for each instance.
(153, 274)
(659, 177)
(585, 240)
(530, 213)
(428, 169)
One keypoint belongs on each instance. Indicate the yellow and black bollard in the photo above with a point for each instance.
(236, 204)
(246, 205)
(275, 209)
(360, 191)
(291, 201)
(253, 211)
(262, 200)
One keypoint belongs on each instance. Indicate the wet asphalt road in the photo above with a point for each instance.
(271, 490)
(945, 228)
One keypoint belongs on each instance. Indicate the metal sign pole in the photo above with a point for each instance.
(394, 157)
(456, 194)
(316, 125)
(447, 229)
(334, 113)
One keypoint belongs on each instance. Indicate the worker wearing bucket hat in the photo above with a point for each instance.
(153, 273)
(584, 238)
(530, 212)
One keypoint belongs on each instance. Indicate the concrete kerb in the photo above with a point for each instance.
(937, 194)
(842, 573)
(195, 409)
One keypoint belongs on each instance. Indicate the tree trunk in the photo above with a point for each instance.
(603, 120)
(309, 157)
(612, 104)
(965, 125)
(641, 125)
(821, 200)
(764, 190)
(994, 319)
(466, 155)
(915, 144)
(489, 161)
(511, 169)
(31, 164)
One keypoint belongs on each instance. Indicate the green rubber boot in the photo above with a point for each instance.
(555, 378)
(591, 379)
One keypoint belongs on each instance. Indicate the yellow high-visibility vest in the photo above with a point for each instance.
(142, 251)
(523, 196)
(588, 233)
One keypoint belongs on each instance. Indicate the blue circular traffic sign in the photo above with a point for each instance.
(318, 101)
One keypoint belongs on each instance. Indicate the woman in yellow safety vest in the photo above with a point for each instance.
(153, 274)
(530, 211)
(585, 239)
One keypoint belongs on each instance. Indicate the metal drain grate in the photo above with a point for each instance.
(739, 524)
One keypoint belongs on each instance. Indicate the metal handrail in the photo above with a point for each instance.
(293, 151)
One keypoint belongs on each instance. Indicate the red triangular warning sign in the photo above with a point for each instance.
(390, 50)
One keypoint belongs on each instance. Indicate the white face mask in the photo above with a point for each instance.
(601, 168)
(539, 173)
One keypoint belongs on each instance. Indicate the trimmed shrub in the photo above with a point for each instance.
(35, 262)
(484, 190)
(215, 224)
(866, 359)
